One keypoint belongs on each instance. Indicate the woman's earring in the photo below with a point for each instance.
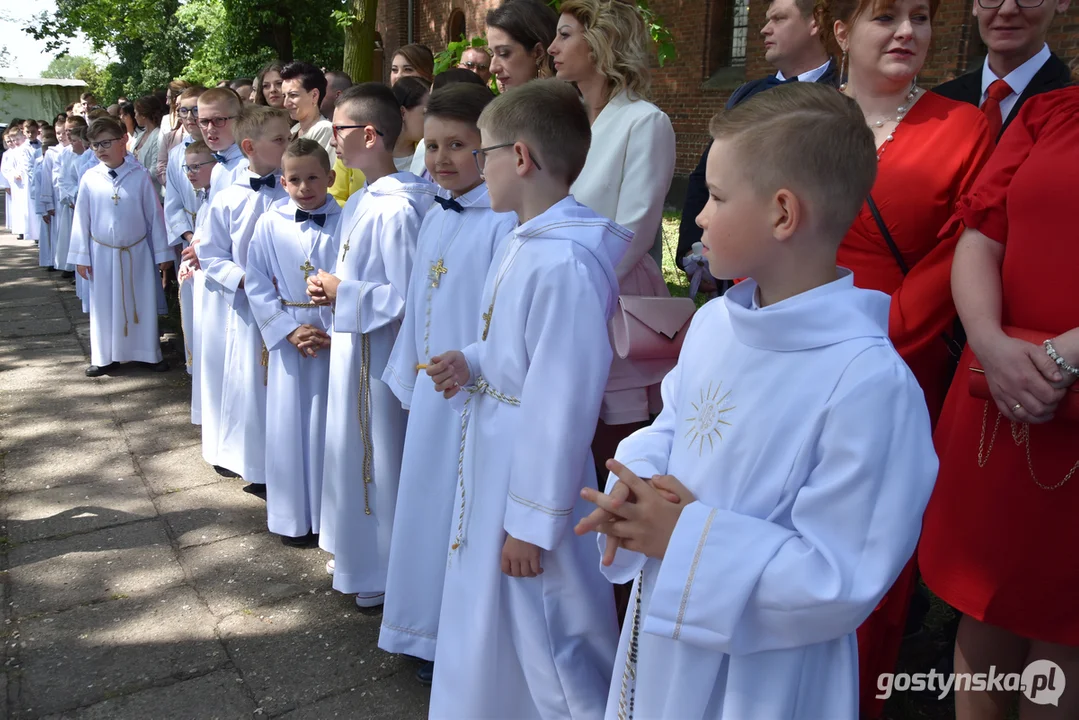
(843, 73)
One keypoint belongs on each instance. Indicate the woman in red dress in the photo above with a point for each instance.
(929, 150)
(1001, 526)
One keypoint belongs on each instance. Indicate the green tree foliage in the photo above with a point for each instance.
(357, 21)
(64, 66)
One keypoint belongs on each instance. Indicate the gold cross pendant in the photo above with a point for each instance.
(437, 271)
(115, 197)
(307, 268)
(487, 320)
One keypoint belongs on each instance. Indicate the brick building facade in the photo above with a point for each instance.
(707, 33)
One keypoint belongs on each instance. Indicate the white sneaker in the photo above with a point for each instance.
(329, 566)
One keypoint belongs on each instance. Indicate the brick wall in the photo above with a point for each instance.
(690, 91)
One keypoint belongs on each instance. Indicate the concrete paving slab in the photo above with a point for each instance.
(397, 697)
(330, 645)
(210, 513)
(247, 572)
(77, 508)
(62, 459)
(179, 469)
(127, 561)
(93, 653)
(217, 696)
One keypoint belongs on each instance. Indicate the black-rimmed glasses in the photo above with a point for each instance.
(103, 144)
(480, 156)
(184, 112)
(1025, 4)
(217, 122)
(338, 128)
(195, 168)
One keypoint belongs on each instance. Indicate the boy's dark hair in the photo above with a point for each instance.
(374, 103)
(547, 116)
(810, 139)
(238, 83)
(461, 101)
(107, 124)
(309, 76)
(198, 147)
(87, 95)
(306, 147)
(410, 91)
(530, 23)
(31, 122)
(456, 75)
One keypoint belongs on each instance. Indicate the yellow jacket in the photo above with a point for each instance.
(346, 183)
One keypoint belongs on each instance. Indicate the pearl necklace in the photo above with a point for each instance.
(901, 112)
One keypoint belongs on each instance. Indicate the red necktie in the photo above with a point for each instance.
(998, 90)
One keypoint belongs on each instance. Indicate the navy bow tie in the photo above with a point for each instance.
(220, 158)
(317, 218)
(112, 174)
(267, 181)
(449, 204)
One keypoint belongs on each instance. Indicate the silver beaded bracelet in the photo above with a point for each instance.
(1061, 362)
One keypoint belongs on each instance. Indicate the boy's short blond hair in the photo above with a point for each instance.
(306, 147)
(225, 96)
(104, 125)
(810, 139)
(253, 120)
(198, 147)
(547, 116)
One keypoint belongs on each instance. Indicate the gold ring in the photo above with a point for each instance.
(1017, 407)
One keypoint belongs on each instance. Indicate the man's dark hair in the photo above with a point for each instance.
(460, 101)
(309, 76)
(374, 103)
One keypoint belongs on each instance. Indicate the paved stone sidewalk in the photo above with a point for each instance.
(137, 583)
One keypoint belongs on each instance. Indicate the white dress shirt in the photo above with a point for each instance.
(812, 76)
(1017, 80)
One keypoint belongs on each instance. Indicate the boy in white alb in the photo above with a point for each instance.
(218, 109)
(44, 203)
(117, 243)
(458, 238)
(222, 254)
(365, 425)
(17, 174)
(291, 240)
(527, 627)
(198, 165)
(777, 497)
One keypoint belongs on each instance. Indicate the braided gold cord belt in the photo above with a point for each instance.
(131, 276)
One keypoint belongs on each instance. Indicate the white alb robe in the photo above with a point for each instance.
(222, 253)
(378, 229)
(5, 185)
(82, 164)
(282, 254)
(18, 178)
(437, 318)
(197, 285)
(64, 191)
(806, 441)
(181, 206)
(43, 205)
(538, 647)
(33, 220)
(213, 313)
(119, 231)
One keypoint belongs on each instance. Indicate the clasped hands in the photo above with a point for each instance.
(322, 288)
(637, 515)
(309, 339)
(1025, 383)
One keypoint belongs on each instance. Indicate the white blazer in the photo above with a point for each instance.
(627, 175)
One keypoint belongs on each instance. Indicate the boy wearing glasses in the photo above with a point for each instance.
(217, 110)
(528, 626)
(197, 167)
(365, 425)
(117, 238)
(457, 240)
(222, 252)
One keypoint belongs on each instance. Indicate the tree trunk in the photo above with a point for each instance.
(359, 61)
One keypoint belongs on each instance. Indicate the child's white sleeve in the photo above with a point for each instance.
(155, 221)
(215, 249)
(79, 250)
(363, 306)
(275, 323)
(401, 372)
(737, 584)
(177, 219)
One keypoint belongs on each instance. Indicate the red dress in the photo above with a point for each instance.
(995, 545)
(937, 152)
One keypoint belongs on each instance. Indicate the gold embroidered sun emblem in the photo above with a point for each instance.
(706, 424)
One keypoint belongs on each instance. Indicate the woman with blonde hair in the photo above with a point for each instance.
(603, 47)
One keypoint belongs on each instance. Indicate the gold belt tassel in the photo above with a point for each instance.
(365, 417)
(264, 361)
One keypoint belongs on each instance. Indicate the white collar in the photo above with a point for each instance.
(812, 76)
(1019, 78)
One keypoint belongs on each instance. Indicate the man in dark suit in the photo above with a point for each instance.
(795, 44)
(1019, 64)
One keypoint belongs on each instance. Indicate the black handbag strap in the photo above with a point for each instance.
(955, 349)
(887, 235)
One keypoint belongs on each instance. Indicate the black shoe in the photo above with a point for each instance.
(50, 269)
(20, 237)
(162, 366)
(426, 673)
(67, 274)
(303, 541)
(225, 472)
(96, 371)
(256, 489)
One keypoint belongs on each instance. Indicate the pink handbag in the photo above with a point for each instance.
(650, 328)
